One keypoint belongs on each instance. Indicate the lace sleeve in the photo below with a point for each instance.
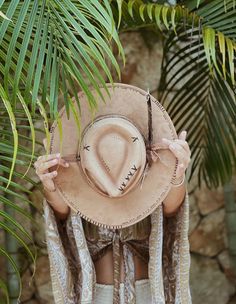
(71, 268)
(176, 255)
(56, 237)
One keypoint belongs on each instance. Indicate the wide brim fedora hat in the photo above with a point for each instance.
(119, 171)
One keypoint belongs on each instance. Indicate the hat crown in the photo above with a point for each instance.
(112, 155)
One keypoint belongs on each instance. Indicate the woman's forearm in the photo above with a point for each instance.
(173, 200)
(60, 208)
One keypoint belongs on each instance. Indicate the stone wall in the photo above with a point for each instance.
(211, 278)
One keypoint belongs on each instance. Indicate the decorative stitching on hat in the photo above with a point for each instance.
(134, 138)
(87, 148)
(123, 185)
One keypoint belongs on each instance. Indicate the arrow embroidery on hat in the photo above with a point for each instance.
(123, 185)
(134, 138)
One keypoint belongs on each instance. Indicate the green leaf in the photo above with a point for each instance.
(34, 55)
(4, 16)
(221, 40)
(119, 3)
(3, 287)
(130, 7)
(165, 11)
(22, 211)
(230, 49)
(150, 7)
(141, 11)
(173, 14)
(19, 239)
(3, 252)
(158, 11)
(203, 103)
(15, 36)
(17, 225)
(8, 107)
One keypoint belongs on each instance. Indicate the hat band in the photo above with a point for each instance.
(152, 154)
(151, 149)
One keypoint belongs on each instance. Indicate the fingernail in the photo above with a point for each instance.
(67, 164)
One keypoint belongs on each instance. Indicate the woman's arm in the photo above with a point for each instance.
(60, 208)
(180, 148)
(42, 165)
(173, 200)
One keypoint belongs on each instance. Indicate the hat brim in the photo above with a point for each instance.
(130, 102)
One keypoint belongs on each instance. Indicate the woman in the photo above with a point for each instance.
(104, 264)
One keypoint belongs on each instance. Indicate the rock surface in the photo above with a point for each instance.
(143, 62)
(209, 201)
(208, 283)
(208, 237)
(194, 216)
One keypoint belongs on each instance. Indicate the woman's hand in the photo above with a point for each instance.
(181, 150)
(43, 163)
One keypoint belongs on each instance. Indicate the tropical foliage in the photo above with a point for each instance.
(198, 77)
(51, 47)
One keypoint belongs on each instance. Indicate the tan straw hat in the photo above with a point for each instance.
(119, 169)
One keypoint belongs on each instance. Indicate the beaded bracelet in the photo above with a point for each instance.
(179, 181)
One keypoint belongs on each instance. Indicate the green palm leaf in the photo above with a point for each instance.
(199, 100)
(215, 20)
(4, 289)
(3, 252)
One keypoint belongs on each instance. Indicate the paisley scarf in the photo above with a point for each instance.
(72, 270)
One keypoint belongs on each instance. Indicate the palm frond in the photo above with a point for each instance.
(4, 289)
(4, 253)
(84, 24)
(12, 192)
(40, 38)
(199, 100)
(215, 20)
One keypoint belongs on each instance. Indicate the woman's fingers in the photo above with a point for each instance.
(47, 157)
(180, 142)
(180, 148)
(182, 135)
(44, 162)
(44, 158)
(183, 143)
(44, 165)
(48, 175)
(180, 153)
(177, 149)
